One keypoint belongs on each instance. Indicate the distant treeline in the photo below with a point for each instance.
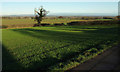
(65, 17)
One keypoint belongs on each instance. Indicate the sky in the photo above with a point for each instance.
(59, 0)
(17, 8)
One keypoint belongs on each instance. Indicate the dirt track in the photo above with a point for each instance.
(107, 61)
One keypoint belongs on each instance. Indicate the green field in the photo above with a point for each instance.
(54, 48)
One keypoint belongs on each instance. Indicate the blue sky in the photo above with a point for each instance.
(17, 8)
(59, 0)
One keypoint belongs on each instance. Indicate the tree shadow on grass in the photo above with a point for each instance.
(9, 63)
(68, 36)
(52, 35)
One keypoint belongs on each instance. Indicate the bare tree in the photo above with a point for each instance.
(39, 14)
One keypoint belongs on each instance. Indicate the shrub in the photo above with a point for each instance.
(45, 24)
(107, 18)
(94, 22)
(4, 26)
(57, 24)
(35, 25)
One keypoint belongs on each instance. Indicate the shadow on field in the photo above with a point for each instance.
(49, 61)
(61, 35)
(9, 63)
(54, 35)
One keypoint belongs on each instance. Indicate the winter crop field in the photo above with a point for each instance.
(55, 48)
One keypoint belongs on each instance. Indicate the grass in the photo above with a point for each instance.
(55, 48)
